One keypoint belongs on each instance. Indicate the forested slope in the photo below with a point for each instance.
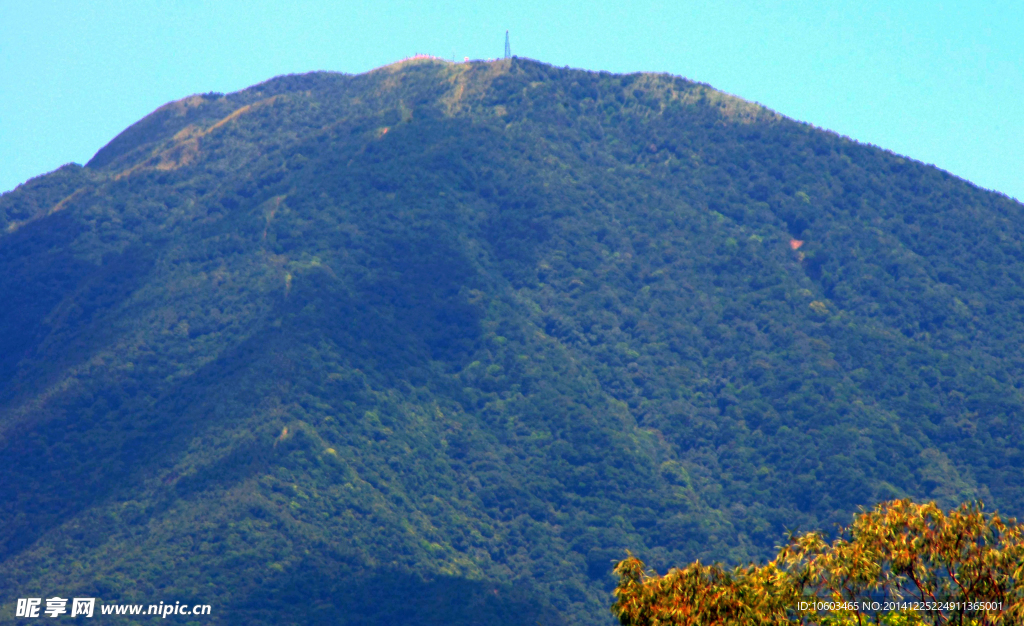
(461, 334)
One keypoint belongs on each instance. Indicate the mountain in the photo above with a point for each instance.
(439, 342)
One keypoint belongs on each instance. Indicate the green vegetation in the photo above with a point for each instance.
(472, 331)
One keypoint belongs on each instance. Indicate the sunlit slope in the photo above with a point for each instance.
(460, 334)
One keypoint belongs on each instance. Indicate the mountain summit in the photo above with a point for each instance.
(437, 343)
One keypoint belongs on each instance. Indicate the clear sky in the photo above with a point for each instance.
(942, 82)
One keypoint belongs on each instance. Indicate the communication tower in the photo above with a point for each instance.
(508, 48)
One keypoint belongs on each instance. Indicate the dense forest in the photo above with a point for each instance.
(440, 342)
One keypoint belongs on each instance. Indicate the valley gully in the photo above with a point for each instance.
(56, 606)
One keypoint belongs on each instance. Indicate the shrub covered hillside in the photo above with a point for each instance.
(437, 343)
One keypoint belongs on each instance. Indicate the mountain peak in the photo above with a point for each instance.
(461, 334)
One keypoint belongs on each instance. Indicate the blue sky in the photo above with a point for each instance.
(942, 82)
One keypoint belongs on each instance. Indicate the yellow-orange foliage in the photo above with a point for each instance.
(702, 594)
(898, 552)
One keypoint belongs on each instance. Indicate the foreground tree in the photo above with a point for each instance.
(899, 564)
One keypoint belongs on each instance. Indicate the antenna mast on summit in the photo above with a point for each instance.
(508, 48)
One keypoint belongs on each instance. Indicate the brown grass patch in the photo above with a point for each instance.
(663, 87)
(60, 206)
(183, 148)
(272, 206)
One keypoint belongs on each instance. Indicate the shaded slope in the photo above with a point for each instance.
(477, 329)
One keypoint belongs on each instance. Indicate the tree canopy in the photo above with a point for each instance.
(901, 563)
